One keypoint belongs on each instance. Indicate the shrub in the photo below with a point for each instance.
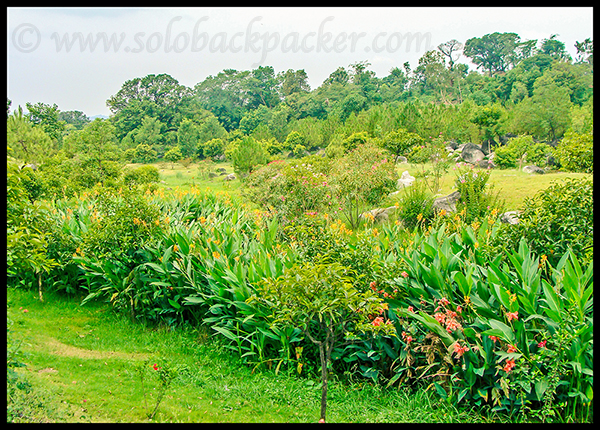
(141, 175)
(576, 152)
(416, 207)
(247, 156)
(557, 218)
(475, 193)
(362, 177)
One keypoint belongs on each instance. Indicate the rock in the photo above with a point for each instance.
(510, 217)
(533, 169)
(472, 153)
(221, 169)
(486, 164)
(447, 203)
(401, 159)
(487, 146)
(378, 214)
(551, 161)
(229, 177)
(452, 144)
(504, 139)
(405, 180)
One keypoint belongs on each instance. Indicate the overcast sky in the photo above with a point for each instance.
(46, 62)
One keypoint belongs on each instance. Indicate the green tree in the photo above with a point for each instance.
(74, 117)
(25, 142)
(398, 142)
(321, 300)
(188, 137)
(47, 117)
(96, 151)
(495, 52)
(174, 155)
(144, 154)
(247, 155)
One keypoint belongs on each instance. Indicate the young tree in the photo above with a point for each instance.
(25, 142)
(174, 155)
(188, 137)
(321, 300)
(248, 155)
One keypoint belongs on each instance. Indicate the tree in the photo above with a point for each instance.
(448, 49)
(74, 117)
(585, 51)
(554, 48)
(247, 155)
(400, 141)
(25, 142)
(294, 81)
(47, 117)
(95, 147)
(494, 53)
(188, 137)
(321, 300)
(173, 155)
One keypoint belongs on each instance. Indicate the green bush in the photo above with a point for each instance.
(576, 152)
(416, 207)
(557, 218)
(476, 196)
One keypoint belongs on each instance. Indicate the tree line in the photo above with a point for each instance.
(521, 87)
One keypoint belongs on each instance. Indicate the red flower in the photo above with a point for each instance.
(155, 366)
(494, 338)
(411, 309)
(404, 274)
(512, 348)
(377, 321)
(512, 316)
(542, 344)
(460, 350)
(510, 364)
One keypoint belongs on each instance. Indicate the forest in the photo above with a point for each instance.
(323, 262)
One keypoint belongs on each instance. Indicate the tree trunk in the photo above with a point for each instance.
(40, 286)
(322, 354)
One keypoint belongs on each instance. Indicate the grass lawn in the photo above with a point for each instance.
(513, 185)
(81, 364)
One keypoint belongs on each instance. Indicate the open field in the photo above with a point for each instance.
(513, 185)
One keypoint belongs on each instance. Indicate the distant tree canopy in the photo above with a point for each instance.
(518, 86)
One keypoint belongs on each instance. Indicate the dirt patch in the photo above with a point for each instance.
(58, 348)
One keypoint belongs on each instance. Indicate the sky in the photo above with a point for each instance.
(77, 58)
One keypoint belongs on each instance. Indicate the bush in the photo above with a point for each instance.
(362, 177)
(557, 218)
(576, 152)
(475, 194)
(416, 207)
(141, 175)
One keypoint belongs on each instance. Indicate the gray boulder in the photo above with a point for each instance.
(230, 177)
(378, 214)
(447, 203)
(401, 159)
(472, 153)
(533, 169)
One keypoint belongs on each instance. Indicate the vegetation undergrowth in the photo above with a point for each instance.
(81, 364)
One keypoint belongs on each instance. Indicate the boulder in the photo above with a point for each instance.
(472, 153)
(378, 214)
(533, 169)
(510, 217)
(486, 164)
(401, 159)
(405, 180)
(230, 177)
(452, 144)
(447, 203)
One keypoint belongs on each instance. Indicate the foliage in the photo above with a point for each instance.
(321, 301)
(576, 152)
(362, 177)
(247, 156)
(557, 219)
(476, 196)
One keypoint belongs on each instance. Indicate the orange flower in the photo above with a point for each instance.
(510, 364)
(512, 316)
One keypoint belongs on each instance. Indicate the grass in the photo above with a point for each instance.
(81, 361)
(513, 185)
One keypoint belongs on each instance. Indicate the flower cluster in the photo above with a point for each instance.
(448, 318)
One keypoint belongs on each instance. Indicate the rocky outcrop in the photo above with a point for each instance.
(447, 203)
